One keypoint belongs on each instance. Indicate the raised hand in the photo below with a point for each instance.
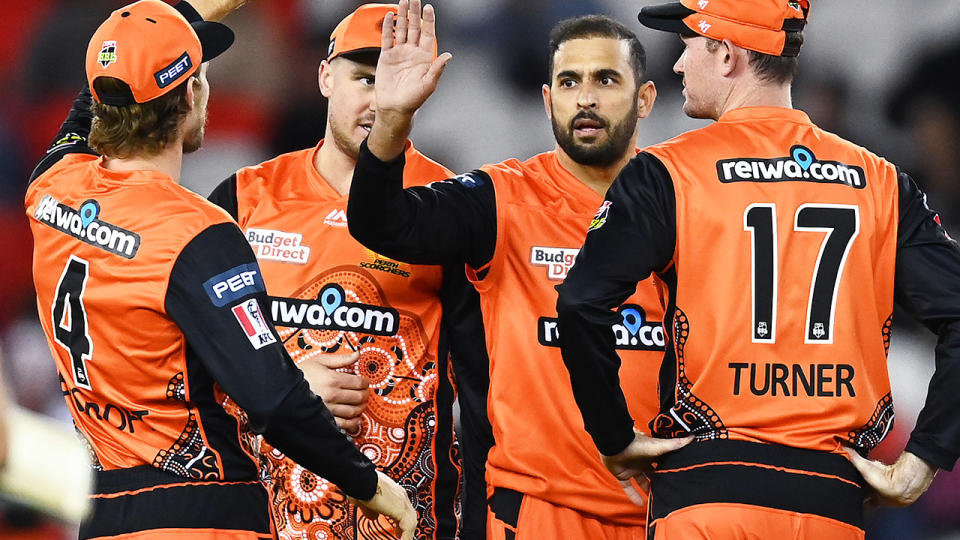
(215, 10)
(407, 74)
(633, 463)
(408, 71)
(900, 484)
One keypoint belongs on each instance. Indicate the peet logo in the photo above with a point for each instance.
(331, 311)
(84, 226)
(557, 260)
(279, 246)
(234, 284)
(801, 166)
(633, 333)
(174, 71)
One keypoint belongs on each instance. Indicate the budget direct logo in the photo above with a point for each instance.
(800, 166)
(557, 260)
(331, 311)
(83, 225)
(279, 246)
(633, 333)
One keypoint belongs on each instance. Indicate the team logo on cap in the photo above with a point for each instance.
(108, 53)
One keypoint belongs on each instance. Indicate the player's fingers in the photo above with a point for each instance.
(400, 36)
(428, 27)
(349, 381)
(386, 35)
(408, 525)
(346, 412)
(658, 447)
(643, 483)
(348, 425)
(346, 396)
(632, 493)
(413, 23)
(337, 361)
(437, 67)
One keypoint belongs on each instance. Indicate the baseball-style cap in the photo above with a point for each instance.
(758, 25)
(152, 47)
(361, 31)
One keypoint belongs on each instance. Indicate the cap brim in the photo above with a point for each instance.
(215, 38)
(360, 54)
(667, 18)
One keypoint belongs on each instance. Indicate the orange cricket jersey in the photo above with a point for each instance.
(332, 295)
(101, 265)
(784, 289)
(541, 447)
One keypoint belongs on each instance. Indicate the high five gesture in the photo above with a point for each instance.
(407, 73)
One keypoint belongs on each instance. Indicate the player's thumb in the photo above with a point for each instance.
(438, 65)
(337, 361)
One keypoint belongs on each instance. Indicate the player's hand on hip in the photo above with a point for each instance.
(345, 394)
(899, 484)
(407, 72)
(634, 462)
(392, 501)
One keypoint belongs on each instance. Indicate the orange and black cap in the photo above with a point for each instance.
(151, 47)
(360, 31)
(757, 25)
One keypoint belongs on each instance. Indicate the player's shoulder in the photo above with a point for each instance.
(707, 137)
(191, 211)
(514, 169)
(274, 170)
(68, 166)
(421, 169)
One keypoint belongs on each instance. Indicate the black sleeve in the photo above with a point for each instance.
(261, 378)
(927, 285)
(73, 134)
(448, 222)
(225, 196)
(633, 235)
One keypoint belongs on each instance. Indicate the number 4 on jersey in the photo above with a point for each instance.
(70, 318)
(842, 225)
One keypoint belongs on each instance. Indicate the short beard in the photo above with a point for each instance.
(194, 140)
(345, 142)
(621, 137)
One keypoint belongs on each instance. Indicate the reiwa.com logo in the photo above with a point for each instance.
(633, 333)
(331, 311)
(558, 261)
(801, 166)
(83, 225)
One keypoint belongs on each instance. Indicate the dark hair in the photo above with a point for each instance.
(598, 26)
(141, 128)
(778, 69)
(768, 67)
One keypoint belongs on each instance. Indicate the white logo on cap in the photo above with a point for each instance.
(108, 53)
(703, 4)
(704, 26)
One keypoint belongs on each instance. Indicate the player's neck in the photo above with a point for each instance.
(169, 161)
(597, 178)
(753, 93)
(335, 165)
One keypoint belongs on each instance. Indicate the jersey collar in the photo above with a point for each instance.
(765, 113)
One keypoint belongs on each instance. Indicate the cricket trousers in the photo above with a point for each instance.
(515, 516)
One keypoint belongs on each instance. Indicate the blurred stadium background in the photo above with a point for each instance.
(879, 72)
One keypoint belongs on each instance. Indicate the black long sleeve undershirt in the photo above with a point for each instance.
(264, 382)
(446, 222)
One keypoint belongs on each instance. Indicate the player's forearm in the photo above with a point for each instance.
(388, 136)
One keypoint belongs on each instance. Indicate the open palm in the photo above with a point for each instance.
(408, 70)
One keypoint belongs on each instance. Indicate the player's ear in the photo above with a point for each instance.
(325, 78)
(546, 101)
(192, 88)
(646, 95)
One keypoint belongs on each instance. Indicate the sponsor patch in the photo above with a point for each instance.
(166, 76)
(331, 311)
(83, 225)
(279, 246)
(601, 217)
(801, 166)
(234, 284)
(633, 333)
(251, 319)
(336, 218)
(108, 53)
(558, 261)
(66, 140)
(469, 180)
